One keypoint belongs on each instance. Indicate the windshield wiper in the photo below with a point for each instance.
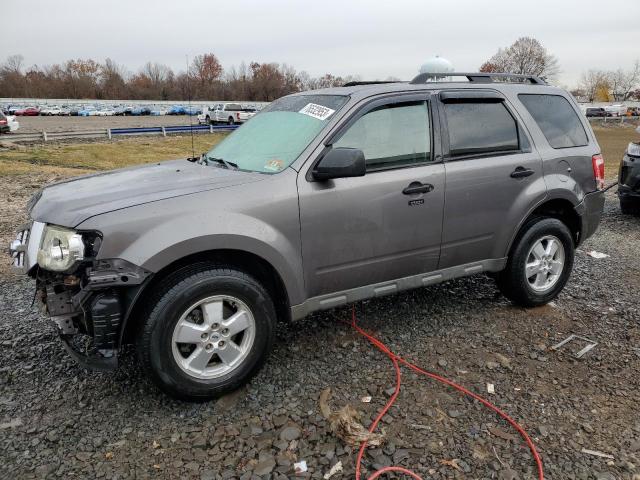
(220, 161)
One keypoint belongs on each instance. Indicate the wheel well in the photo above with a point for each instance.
(249, 263)
(562, 210)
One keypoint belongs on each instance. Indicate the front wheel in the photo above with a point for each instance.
(540, 263)
(208, 332)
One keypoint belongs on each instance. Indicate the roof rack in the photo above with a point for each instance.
(482, 77)
(373, 82)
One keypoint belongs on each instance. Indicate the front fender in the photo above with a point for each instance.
(157, 234)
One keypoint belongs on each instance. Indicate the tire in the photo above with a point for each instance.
(630, 207)
(542, 287)
(230, 121)
(208, 120)
(182, 369)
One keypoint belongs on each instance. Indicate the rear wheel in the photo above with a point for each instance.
(208, 331)
(231, 121)
(540, 263)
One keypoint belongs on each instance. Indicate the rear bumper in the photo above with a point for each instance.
(629, 178)
(590, 212)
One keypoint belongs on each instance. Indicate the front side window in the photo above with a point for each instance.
(391, 136)
(273, 139)
(480, 128)
(557, 119)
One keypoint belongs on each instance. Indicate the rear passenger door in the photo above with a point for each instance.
(493, 175)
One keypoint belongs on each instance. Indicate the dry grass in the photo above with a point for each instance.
(75, 159)
(613, 142)
(78, 158)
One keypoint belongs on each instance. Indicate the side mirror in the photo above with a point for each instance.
(340, 163)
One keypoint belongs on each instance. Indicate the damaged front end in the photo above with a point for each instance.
(87, 298)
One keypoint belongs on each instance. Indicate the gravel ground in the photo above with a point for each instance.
(69, 124)
(58, 420)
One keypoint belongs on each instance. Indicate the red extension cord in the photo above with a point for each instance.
(397, 360)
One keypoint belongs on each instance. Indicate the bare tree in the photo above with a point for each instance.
(525, 56)
(594, 82)
(624, 82)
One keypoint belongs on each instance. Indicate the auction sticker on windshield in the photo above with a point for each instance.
(317, 111)
(274, 165)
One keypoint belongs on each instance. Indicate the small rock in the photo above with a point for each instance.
(265, 467)
(292, 432)
(442, 363)
(454, 413)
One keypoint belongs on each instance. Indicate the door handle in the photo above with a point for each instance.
(521, 172)
(417, 187)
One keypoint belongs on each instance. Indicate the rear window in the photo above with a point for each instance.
(557, 119)
(232, 107)
(480, 128)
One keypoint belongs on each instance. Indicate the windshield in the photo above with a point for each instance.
(275, 137)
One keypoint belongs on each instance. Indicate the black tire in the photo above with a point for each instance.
(174, 296)
(208, 120)
(512, 281)
(629, 207)
(231, 121)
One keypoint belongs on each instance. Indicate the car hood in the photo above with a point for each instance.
(71, 202)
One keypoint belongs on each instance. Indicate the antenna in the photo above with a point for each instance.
(193, 150)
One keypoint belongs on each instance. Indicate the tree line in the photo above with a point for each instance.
(205, 79)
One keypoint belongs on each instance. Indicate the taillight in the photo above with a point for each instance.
(598, 170)
(237, 115)
(3, 122)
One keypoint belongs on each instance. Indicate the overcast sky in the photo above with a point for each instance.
(373, 39)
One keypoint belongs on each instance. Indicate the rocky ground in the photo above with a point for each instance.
(60, 421)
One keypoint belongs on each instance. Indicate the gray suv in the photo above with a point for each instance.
(324, 198)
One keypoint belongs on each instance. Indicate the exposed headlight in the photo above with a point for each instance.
(60, 248)
(633, 150)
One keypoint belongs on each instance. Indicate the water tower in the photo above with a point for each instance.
(437, 64)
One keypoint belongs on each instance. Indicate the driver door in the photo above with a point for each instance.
(387, 224)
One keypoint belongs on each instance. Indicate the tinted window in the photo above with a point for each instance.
(391, 136)
(480, 127)
(232, 107)
(557, 119)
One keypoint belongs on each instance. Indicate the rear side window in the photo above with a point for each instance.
(480, 128)
(557, 119)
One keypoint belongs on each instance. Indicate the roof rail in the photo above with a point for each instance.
(482, 77)
(373, 82)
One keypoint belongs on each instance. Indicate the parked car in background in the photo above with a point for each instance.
(64, 111)
(176, 110)
(633, 112)
(28, 112)
(229, 113)
(106, 112)
(616, 110)
(75, 110)
(325, 198)
(14, 108)
(87, 111)
(50, 110)
(596, 112)
(8, 123)
(629, 179)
